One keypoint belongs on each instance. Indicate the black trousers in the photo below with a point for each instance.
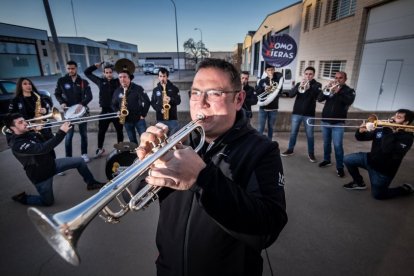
(103, 127)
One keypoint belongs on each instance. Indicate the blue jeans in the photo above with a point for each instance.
(45, 188)
(296, 121)
(270, 116)
(379, 182)
(130, 127)
(173, 126)
(83, 129)
(335, 134)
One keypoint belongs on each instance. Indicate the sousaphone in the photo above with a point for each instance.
(125, 64)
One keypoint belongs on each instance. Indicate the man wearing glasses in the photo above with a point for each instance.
(221, 207)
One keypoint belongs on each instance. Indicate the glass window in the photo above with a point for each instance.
(337, 9)
(317, 15)
(306, 22)
(301, 67)
(328, 69)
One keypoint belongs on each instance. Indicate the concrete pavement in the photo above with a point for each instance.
(330, 231)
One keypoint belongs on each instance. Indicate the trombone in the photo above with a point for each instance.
(62, 230)
(370, 123)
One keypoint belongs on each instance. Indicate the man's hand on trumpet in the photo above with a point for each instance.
(177, 169)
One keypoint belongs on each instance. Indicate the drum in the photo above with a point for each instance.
(117, 160)
(71, 112)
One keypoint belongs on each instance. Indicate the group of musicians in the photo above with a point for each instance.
(122, 95)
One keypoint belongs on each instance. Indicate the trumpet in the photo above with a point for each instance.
(329, 89)
(303, 86)
(62, 230)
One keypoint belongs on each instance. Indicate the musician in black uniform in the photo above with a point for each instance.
(35, 151)
(72, 90)
(137, 104)
(268, 112)
(172, 98)
(107, 85)
(251, 97)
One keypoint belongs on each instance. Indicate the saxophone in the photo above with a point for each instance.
(123, 111)
(38, 107)
(165, 102)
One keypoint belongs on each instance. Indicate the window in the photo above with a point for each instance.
(306, 22)
(317, 15)
(20, 62)
(328, 69)
(44, 52)
(301, 67)
(311, 63)
(337, 9)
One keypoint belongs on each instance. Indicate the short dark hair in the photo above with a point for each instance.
(343, 73)
(131, 76)
(310, 68)
(164, 71)
(9, 119)
(71, 62)
(408, 115)
(224, 66)
(245, 72)
(109, 66)
(269, 66)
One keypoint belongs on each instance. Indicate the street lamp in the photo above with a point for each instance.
(201, 33)
(176, 36)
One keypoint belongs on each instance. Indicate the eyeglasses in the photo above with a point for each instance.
(212, 95)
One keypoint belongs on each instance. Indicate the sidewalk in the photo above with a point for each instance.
(331, 231)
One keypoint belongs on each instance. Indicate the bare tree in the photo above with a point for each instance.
(195, 50)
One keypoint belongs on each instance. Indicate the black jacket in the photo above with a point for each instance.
(337, 105)
(235, 209)
(305, 103)
(251, 97)
(106, 87)
(175, 99)
(138, 102)
(36, 153)
(387, 150)
(71, 93)
(27, 105)
(260, 88)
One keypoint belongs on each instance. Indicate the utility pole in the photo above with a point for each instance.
(176, 36)
(54, 35)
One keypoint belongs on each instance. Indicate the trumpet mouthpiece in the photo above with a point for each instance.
(201, 116)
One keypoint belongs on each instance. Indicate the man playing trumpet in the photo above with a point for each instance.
(389, 146)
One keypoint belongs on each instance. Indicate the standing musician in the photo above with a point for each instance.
(164, 100)
(107, 85)
(306, 94)
(28, 101)
(72, 90)
(338, 97)
(221, 207)
(269, 111)
(131, 99)
(251, 98)
(35, 151)
(389, 146)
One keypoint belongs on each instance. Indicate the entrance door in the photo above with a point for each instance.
(389, 84)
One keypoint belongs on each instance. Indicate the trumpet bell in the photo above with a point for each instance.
(63, 241)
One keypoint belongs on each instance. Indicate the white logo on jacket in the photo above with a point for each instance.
(281, 180)
(158, 93)
(67, 86)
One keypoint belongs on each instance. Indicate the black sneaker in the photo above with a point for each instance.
(312, 157)
(355, 186)
(340, 172)
(325, 163)
(94, 185)
(20, 198)
(287, 152)
(408, 188)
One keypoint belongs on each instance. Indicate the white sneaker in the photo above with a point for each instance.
(86, 158)
(99, 152)
(61, 174)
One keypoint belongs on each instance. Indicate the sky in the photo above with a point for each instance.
(148, 24)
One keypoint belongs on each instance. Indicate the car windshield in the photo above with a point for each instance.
(8, 87)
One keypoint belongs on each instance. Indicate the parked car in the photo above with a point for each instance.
(7, 92)
(148, 68)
